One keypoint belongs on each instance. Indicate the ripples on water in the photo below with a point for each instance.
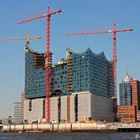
(70, 136)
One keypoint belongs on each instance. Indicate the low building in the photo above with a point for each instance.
(34, 110)
(7, 120)
(80, 106)
(127, 113)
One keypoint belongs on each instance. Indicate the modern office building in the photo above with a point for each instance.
(125, 91)
(77, 73)
(128, 109)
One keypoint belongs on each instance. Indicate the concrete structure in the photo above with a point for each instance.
(94, 107)
(73, 108)
(128, 109)
(80, 106)
(65, 108)
(34, 110)
(55, 109)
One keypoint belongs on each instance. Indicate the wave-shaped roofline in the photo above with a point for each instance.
(101, 54)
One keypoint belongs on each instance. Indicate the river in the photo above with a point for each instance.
(70, 136)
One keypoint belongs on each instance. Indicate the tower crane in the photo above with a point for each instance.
(48, 15)
(114, 32)
(26, 38)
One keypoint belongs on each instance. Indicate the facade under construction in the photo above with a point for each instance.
(81, 87)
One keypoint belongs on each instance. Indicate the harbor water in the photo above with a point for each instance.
(70, 136)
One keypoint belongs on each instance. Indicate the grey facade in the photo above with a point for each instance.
(77, 107)
(18, 113)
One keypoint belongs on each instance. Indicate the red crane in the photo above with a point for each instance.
(18, 38)
(48, 15)
(114, 31)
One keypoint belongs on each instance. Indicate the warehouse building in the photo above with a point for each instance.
(77, 107)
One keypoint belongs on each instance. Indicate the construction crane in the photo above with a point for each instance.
(48, 15)
(114, 32)
(26, 39)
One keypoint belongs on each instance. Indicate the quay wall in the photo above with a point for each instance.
(74, 127)
(57, 127)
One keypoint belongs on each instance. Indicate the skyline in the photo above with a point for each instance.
(76, 15)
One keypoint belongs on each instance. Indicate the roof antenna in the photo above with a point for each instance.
(127, 70)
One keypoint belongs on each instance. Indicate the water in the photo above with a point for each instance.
(70, 136)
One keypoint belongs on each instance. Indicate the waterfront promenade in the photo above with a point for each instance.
(113, 127)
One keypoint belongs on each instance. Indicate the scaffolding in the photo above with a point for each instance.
(69, 71)
(39, 60)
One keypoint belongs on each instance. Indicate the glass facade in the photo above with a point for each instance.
(125, 94)
(34, 74)
(59, 78)
(92, 72)
(77, 72)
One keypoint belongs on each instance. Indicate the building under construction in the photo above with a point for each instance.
(81, 87)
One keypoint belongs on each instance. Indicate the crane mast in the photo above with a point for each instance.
(48, 17)
(114, 32)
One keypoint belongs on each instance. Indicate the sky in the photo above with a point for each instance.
(77, 15)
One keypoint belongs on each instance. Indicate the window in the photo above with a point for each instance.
(30, 105)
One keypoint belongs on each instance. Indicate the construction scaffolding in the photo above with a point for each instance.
(69, 71)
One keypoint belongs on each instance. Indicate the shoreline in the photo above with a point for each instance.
(72, 127)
